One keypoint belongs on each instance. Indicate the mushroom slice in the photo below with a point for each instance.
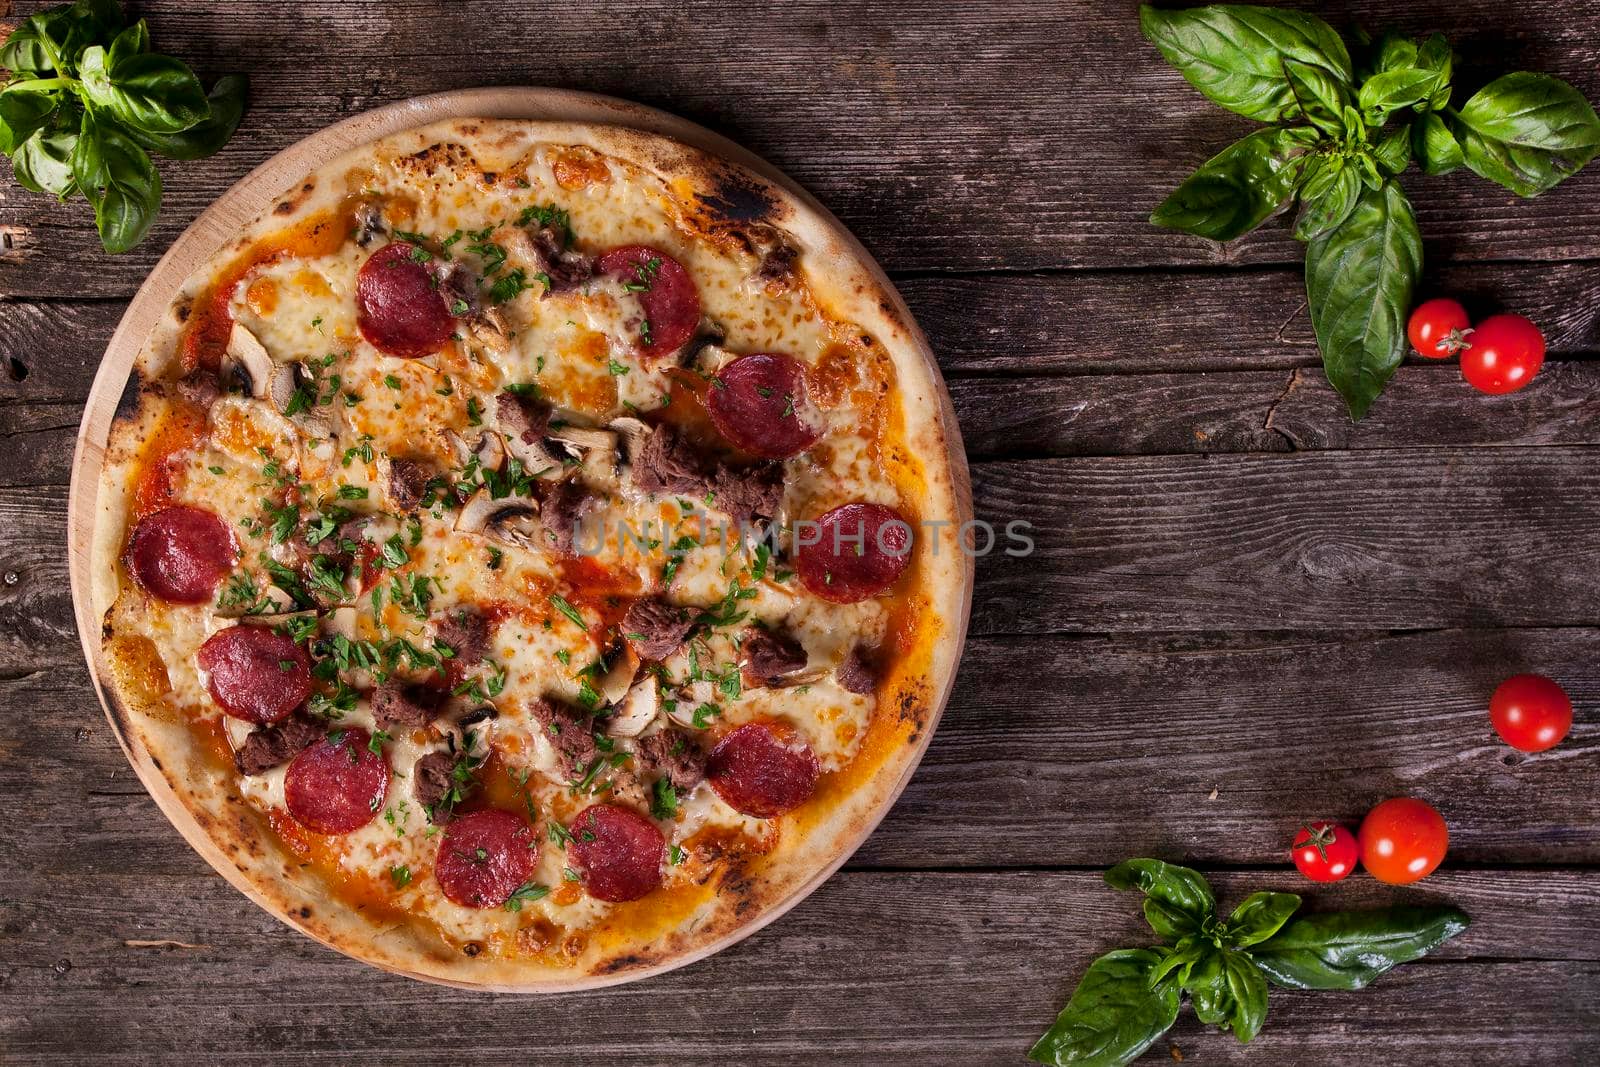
(280, 618)
(688, 699)
(617, 679)
(596, 448)
(248, 361)
(708, 335)
(536, 458)
(632, 434)
(489, 451)
(340, 622)
(712, 357)
(637, 710)
(512, 520)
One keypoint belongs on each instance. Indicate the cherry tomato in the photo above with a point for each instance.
(1439, 328)
(1325, 852)
(1403, 840)
(1503, 354)
(1530, 712)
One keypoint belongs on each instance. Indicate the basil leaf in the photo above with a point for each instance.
(1348, 949)
(24, 111)
(1436, 148)
(1208, 991)
(130, 42)
(1113, 1015)
(1320, 97)
(1359, 282)
(1234, 54)
(1239, 188)
(1247, 993)
(1179, 899)
(1330, 201)
(152, 93)
(1259, 917)
(119, 180)
(1437, 55)
(211, 133)
(1182, 959)
(66, 31)
(1392, 153)
(1391, 52)
(23, 52)
(1528, 132)
(43, 163)
(1388, 92)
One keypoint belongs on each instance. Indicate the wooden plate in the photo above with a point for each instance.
(254, 195)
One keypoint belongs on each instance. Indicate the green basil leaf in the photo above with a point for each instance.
(119, 180)
(1208, 991)
(1113, 1015)
(209, 135)
(43, 163)
(1359, 281)
(1392, 153)
(150, 93)
(1330, 203)
(1234, 54)
(23, 52)
(1179, 899)
(1320, 97)
(1247, 993)
(1388, 92)
(1528, 132)
(1348, 949)
(1392, 52)
(1259, 917)
(130, 42)
(1436, 148)
(1436, 55)
(67, 30)
(1239, 188)
(1184, 955)
(24, 111)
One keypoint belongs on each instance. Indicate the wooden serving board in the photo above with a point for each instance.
(255, 194)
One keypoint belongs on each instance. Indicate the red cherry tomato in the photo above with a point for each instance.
(1439, 328)
(1403, 840)
(1503, 354)
(1530, 712)
(1325, 852)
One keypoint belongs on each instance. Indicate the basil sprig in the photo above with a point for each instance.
(1129, 998)
(1343, 127)
(88, 100)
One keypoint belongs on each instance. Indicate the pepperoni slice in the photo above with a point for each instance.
(399, 307)
(484, 857)
(759, 403)
(860, 550)
(255, 673)
(338, 784)
(666, 292)
(180, 554)
(763, 770)
(617, 851)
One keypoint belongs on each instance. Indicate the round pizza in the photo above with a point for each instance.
(526, 554)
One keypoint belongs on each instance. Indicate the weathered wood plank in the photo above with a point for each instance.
(1063, 753)
(875, 968)
(914, 122)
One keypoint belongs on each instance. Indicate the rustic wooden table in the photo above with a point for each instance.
(1245, 612)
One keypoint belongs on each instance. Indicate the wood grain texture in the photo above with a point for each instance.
(949, 137)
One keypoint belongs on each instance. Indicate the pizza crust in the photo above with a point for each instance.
(202, 799)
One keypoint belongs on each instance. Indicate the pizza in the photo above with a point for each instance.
(519, 553)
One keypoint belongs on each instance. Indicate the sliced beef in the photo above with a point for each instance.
(459, 287)
(522, 417)
(466, 633)
(668, 464)
(569, 735)
(856, 673)
(655, 628)
(561, 512)
(273, 746)
(437, 787)
(766, 657)
(565, 267)
(750, 496)
(200, 388)
(408, 480)
(671, 754)
(395, 704)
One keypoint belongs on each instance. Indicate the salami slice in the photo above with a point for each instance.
(763, 769)
(666, 292)
(859, 551)
(617, 851)
(484, 857)
(255, 673)
(399, 306)
(758, 402)
(180, 554)
(338, 784)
